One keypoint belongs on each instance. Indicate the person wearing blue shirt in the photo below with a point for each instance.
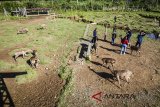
(94, 36)
(140, 39)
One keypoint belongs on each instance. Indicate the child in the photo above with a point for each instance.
(124, 42)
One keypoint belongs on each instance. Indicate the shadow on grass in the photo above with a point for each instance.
(104, 40)
(11, 74)
(96, 63)
(115, 44)
(29, 63)
(105, 75)
(113, 50)
(84, 39)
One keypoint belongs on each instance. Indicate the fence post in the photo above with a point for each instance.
(16, 12)
(24, 13)
(86, 31)
(5, 12)
(38, 12)
(105, 33)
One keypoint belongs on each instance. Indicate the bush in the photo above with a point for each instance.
(71, 4)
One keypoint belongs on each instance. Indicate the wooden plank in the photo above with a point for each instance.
(86, 30)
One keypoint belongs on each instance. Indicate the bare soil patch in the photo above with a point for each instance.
(144, 84)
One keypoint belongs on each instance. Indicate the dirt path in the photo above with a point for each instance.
(144, 84)
(4, 54)
(43, 91)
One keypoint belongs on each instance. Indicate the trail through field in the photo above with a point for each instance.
(4, 54)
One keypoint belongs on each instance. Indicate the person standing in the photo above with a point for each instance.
(140, 39)
(115, 19)
(124, 43)
(129, 34)
(94, 39)
(114, 35)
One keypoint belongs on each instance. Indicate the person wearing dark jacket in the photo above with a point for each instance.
(124, 43)
(114, 35)
(140, 39)
(94, 39)
(129, 34)
(115, 19)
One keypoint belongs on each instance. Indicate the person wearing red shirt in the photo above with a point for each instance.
(124, 42)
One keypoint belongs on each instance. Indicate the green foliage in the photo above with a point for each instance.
(81, 4)
(67, 88)
(141, 23)
(31, 73)
(64, 72)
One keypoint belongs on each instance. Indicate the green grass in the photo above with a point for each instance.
(67, 89)
(58, 34)
(20, 67)
(9, 17)
(101, 30)
(132, 19)
(31, 75)
(5, 66)
(66, 74)
(150, 15)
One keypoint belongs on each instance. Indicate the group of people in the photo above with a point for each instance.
(125, 41)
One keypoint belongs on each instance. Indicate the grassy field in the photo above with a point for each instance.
(133, 19)
(58, 33)
(61, 34)
(47, 42)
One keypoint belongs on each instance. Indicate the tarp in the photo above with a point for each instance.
(152, 36)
